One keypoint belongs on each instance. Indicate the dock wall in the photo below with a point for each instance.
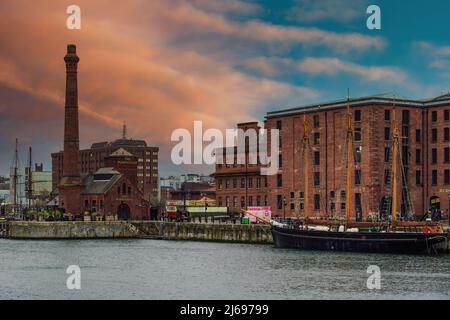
(205, 232)
(71, 230)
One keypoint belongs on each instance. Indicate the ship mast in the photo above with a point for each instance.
(395, 141)
(306, 163)
(348, 161)
(15, 178)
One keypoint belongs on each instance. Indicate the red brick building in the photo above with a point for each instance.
(92, 159)
(81, 181)
(239, 186)
(424, 127)
(108, 192)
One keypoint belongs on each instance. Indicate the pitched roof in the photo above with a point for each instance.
(101, 181)
(120, 152)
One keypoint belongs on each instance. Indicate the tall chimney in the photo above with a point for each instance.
(70, 186)
(71, 168)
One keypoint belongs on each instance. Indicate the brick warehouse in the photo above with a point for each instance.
(424, 126)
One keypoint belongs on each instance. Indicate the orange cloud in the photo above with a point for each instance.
(158, 65)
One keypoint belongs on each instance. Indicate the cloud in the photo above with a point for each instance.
(334, 66)
(342, 11)
(227, 6)
(148, 63)
(437, 57)
(270, 66)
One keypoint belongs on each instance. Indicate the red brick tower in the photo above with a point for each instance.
(70, 187)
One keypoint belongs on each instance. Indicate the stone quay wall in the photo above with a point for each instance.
(71, 230)
(205, 232)
(139, 229)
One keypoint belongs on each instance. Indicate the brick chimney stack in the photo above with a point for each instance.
(70, 186)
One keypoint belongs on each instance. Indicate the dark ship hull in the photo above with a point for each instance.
(367, 242)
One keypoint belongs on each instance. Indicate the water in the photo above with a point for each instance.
(146, 269)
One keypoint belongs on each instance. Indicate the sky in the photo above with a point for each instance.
(160, 65)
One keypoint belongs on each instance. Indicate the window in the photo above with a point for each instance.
(101, 204)
(258, 201)
(317, 202)
(446, 134)
(316, 179)
(405, 155)
(358, 134)
(227, 184)
(447, 114)
(358, 207)
(242, 183)
(405, 134)
(219, 184)
(357, 115)
(434, 177)
(124, 189)
(227, 199)
(86, 203)
(433, 156)
(220, 201)
(292, 195)
(301, 195)
(332, 195)
(446, 177)
(235, 202)
(235, 183)
(434, 116)
(250, 201)
(405, 117)
(316, 158)
(279, 124)
(265, 201)
(280, 160)
(357, 177)
(446, 155)
(292, 206)
(358, 154)
(387, 115)
(258, 182)
(279, 180)
(434, 135)
(242, 202)
(316, 121)
(265, 182)
(250, 182)
(418, 177)
(279, 202)
(316, 138)
(387, 177)
(418, 134)
(387, 133)
(387, 154)
(129, 190)
(418, 156)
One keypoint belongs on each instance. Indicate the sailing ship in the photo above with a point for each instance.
(347, 235)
